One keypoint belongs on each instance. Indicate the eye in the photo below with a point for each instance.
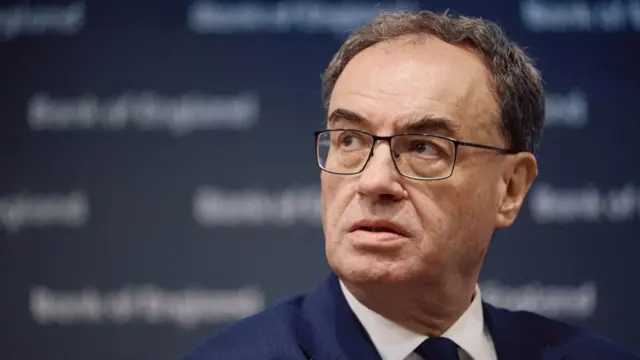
(424, 147)
(349, 139)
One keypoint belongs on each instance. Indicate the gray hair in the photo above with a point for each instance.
(517, 84)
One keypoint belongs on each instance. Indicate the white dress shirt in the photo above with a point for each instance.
(394, 342)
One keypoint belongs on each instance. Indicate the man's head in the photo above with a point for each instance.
(460, 78)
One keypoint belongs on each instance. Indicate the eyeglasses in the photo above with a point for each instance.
(416, 156)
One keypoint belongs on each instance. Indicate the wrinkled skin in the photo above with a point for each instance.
(426, 279)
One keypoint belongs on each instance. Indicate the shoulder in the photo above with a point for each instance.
(560, 337)
(254, 337)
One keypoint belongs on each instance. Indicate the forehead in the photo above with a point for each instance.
(415, 77)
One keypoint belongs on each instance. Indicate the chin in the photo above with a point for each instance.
(371, 268)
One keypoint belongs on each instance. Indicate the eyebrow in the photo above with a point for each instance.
(425, 124)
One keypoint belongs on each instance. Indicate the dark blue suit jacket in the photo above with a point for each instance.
(320, 325)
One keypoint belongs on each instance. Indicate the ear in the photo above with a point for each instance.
(519, 173)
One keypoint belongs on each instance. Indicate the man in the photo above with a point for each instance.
(432, 126)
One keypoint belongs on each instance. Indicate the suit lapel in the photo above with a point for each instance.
(329, 330)
(513, 338)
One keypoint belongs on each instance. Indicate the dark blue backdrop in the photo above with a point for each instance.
(157, 175)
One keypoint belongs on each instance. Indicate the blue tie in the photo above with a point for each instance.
(438, 348)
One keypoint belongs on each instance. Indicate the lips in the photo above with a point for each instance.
(378, 226)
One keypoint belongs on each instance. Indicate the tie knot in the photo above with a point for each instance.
(438, 348)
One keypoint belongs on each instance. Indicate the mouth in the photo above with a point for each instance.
(379, 227)
(376, 229)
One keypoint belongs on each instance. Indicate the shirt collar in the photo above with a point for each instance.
(394, 342)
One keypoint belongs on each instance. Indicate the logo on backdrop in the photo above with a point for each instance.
(144, 111)
(311, 17)
(24, 19)
(550, 204)
(567, 110)
(213, 207)
(187, 308)
(22, 210)
(580, 16)
(577, 302)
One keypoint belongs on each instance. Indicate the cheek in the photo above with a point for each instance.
(434, 212)
(452, 211)
(334, 203)
(461, 215)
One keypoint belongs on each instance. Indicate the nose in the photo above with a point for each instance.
(380, 179)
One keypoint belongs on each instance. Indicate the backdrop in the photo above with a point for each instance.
(158, 179)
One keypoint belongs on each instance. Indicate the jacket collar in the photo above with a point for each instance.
(329, 330)
(515, 336)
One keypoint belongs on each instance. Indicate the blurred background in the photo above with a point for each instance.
(158, 179)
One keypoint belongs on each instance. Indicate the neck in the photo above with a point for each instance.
(428, 309)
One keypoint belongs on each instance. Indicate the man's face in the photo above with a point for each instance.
(446, 225)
